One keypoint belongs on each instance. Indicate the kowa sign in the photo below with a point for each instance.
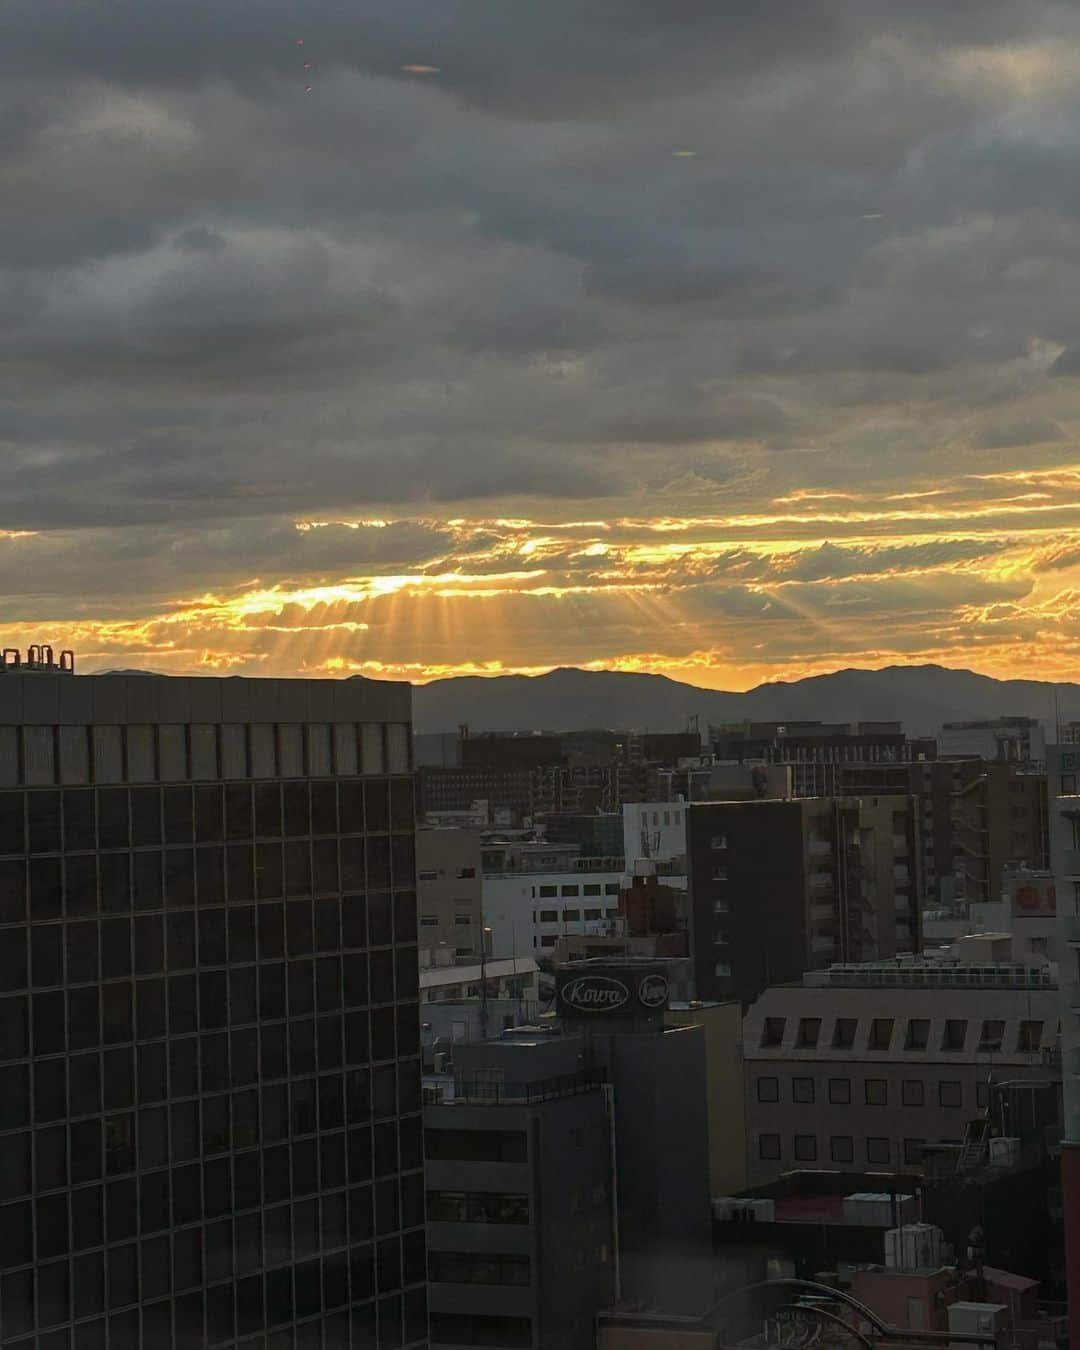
(605, 993)
(595, 993)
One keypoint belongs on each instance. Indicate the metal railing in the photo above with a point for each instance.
(470, 1089)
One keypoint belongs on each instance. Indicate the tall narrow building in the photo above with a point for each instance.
(210, 1129)
(1063, 764)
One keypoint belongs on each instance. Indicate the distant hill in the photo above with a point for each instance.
(921, 697)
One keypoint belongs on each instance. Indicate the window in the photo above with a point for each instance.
(809, 1031)
(612, 912)
(428, 921)
(466, 873)
(913, 1152)
(913, 1092)
(592, 914)
(955, 1034)
(428, 874)
(571, 915)
(477, 1268)
(768, 1089)
(918, 1034)
(844, 1033)
(462, 921)
(476, 1145)
(719, 841)
(480, 1329)
(548, 941)
(719, 874)
(802, 1091)
(842, 1148)
(592, 889)
(571, 892)
(982, 1095)
(549, 916)
(840, 1091)
(769, 1147)
(878, 1150)
(991, 1036)
(950, 1093)
(611, 888)
(772, 1033)
(877, 1092)
(548, 892)
(881, 1029)
(806, 1148)
(1029, 1038)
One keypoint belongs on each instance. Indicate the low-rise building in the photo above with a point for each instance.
(529, 911)
(872, 1066)
(519, 1197)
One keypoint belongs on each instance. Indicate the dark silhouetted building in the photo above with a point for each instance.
(210, 1129)
(781, 887)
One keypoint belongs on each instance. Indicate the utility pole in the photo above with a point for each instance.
(484, 934)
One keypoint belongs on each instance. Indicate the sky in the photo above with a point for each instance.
(732, 341)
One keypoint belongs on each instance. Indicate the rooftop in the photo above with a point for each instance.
(436, 976)
(915, 972)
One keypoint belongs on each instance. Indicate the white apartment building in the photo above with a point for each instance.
(654, 831)
(527, 912)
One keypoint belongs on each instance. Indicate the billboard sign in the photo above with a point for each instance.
(595, 993)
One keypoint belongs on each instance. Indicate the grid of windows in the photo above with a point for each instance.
(209, 1083)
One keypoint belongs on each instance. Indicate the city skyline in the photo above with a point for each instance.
(724, 344)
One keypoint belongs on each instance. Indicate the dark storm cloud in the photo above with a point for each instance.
(223, 299)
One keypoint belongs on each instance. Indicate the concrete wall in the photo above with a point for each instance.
(446, 893)
(721, 1024)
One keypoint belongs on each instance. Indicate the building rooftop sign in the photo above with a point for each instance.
(627, 989)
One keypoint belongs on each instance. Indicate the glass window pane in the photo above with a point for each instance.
(9, 756)
(172, 753)
(263, 756)
(371, 737)
(291, 750)
(140, 750)
(233, 751)
(204, 751)
(74, 755)
(108, 755)
(397, 747)
(318, 736)
(345, 756)
(38, 763)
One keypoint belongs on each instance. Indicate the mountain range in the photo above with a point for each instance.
(921, 697)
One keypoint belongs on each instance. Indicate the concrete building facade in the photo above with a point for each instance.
(522, 1248)
(781, 887)
(1000, 821)
(870, 1067)
(528, 912)
(448, 892)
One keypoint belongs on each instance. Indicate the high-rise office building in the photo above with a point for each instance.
(210, 1129)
